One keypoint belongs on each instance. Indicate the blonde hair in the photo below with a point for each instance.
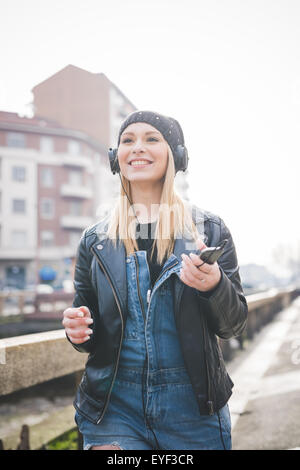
(174, 218)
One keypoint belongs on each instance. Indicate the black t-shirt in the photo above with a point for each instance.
(145, 232)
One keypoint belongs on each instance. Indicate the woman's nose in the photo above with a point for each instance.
(138, 147)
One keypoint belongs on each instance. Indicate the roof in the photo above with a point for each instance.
(15, 118)
(14, 122)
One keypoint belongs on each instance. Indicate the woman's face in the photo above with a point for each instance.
(142, 153)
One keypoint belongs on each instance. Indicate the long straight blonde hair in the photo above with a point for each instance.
(174, 218)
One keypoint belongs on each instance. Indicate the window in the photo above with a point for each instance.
(73, 147)
(19, 238)
(75, 207)
(75, 177)
(18, 173)
(46, 144)
(15, 276)
(47, 238)
(47, 208)
(47, 178)
(19, 206)
(15, 139)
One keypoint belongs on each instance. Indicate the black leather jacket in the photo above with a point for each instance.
(100, 284)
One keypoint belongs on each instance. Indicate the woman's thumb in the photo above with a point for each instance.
(85, 310)
(200, 244)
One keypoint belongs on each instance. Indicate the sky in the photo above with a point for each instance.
(227, 70)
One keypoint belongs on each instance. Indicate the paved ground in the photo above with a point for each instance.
(265, 405)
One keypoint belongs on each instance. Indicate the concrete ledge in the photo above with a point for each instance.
(256, 301)
(31, 359)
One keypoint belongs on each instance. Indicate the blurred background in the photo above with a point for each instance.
(228, 71)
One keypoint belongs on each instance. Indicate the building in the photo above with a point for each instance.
(85, 101)
(51, 182)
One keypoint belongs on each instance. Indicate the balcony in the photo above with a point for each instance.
(11, 253)
(77, 222)
(70, 190)
(76, 160)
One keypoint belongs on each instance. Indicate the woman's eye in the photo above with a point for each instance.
(150, 139)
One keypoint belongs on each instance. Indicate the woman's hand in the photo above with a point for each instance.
(205, 277)
(76, 322)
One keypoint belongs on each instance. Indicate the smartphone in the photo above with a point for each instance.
(212, 254)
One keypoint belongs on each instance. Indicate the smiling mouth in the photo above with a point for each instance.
(140, 163)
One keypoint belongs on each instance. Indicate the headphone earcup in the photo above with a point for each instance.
(181, 158)
(113, 160)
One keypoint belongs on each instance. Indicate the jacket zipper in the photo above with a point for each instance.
(118, 357)
(209, 403)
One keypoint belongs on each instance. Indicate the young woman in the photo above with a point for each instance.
(148, 311)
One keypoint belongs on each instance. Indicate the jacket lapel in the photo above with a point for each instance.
(113, 261)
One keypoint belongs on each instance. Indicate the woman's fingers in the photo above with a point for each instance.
(85, 310)
(78, 340)
(195, 273)
(200, 265)
(78, 333)
(76, 322)
(192, 262)
(78, 312)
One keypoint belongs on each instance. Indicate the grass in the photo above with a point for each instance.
(67, 441)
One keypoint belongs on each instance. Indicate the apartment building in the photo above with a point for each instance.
(82, 100)
(52, 180)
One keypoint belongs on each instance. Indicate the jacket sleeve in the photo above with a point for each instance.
(84, 293)
(226, 306)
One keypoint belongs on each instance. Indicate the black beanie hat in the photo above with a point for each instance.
(167, 126)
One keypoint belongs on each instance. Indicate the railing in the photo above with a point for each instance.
(28, 303)
(32, 359)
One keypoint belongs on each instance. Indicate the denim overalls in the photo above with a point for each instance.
(152, 404)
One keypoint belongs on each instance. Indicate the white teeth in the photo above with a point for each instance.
(139, 162)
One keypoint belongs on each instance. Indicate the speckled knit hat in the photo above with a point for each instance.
(167, 126)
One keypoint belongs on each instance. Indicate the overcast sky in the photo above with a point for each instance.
(227, 70)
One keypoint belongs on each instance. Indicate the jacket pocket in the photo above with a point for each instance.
(87, 406)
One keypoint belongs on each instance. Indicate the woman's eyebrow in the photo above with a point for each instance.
(149, 132)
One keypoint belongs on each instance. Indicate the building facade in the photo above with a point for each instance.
(51, 179)
(82, 100)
